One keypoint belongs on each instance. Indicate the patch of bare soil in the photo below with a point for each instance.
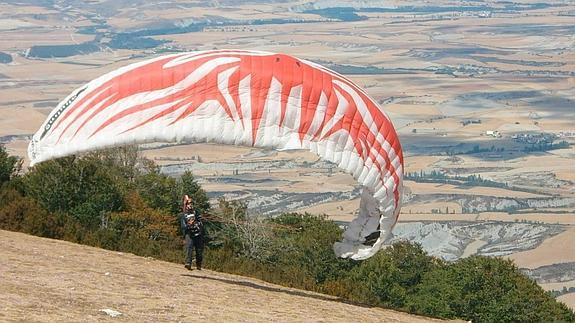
(51, 280)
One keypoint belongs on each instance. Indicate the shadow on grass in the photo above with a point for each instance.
(284, 290)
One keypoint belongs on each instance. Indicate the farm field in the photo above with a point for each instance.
(482, 95)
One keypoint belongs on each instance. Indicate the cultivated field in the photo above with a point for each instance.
(473, 90)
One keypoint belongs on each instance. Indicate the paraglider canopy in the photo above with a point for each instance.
(248, 98)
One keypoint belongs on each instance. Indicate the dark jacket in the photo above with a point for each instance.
(194, 230)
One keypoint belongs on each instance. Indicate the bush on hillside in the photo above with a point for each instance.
(307, 240)
(24, 214)
(484, 289)
(142, 230)
(391, 277)
(9, 166)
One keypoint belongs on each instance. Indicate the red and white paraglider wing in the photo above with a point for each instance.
(241, 98)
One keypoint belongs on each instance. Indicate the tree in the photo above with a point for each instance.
(19, 213)
(125, 162)
(250, 234)
(390, 277)
(187, 184)
(303, 247)
(484, 289)
(10, 166)
(80, 187)
(142, 230)
(158, 190)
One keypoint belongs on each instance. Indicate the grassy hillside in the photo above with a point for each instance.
(51, 280)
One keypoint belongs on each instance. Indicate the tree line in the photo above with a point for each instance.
(117, 200)
(435, 176)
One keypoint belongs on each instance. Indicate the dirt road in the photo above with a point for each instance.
(50, 280)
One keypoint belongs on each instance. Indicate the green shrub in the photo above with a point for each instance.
(390, 277)
(493, 289)
(80, 187)
(19, 213)
(9, 165)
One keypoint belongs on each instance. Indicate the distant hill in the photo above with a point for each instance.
(52, 280)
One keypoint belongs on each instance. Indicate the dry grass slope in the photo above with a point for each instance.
(51, 280)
